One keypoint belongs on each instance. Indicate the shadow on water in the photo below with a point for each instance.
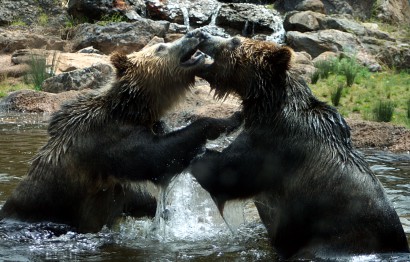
(189, 229)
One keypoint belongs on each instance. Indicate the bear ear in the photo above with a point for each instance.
(120, 62)
(281, 58)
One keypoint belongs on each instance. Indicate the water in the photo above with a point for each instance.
(190, 229)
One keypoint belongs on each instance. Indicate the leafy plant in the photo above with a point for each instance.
(383, 111)
(43, 19)
(113, 18)
(315, 76)
(408, 109)
(349, 68)
(336, 94)
(325, 67)
(18, 22)
(40, 70)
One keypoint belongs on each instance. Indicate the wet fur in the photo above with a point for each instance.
(314, 192)
(103, 143)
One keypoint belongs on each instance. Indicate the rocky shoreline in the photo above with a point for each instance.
(200, 102)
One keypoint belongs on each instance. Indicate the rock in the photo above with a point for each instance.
(29, 11)
(65, 62)
(342, 24)
(31, 101)
(325, 56)
(9, 69)
(395, 55)
(95, 10)
(321, 41)
(393, 11)
(312, 5)
(303, 65)
(302, 21)
(361, 9)
(93, 77)
(250, 20)
(123, 36)
(12, 40)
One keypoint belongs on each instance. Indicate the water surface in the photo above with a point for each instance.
(194, 230)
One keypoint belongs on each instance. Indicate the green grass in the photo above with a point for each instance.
(41, 69)
(7, 86)
(367, 90)
(383, 111)
(114, 18)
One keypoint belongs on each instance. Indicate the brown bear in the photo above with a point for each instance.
(100, 142)
(315, 194)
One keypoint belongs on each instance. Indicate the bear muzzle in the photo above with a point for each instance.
(195, 58)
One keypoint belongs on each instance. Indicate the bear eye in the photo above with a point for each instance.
(160, 48)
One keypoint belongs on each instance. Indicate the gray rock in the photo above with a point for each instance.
(123, 36)
(93, 77)
(312, 5)
(302, 21)
(393, 11)
(97, 9)
(28, 11)
(393, 54)
(12, 40)
(250, 20)
(332, 40)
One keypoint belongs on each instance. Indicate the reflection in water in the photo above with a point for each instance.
(189, 230)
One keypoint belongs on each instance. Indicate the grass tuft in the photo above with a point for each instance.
(383, 111)
(40, 70)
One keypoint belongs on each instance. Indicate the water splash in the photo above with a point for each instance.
(279, 32)
(186, 211)
(214, 15)
(185, 14)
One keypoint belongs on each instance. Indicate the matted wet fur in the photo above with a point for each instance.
(101, 142)
(314, 192)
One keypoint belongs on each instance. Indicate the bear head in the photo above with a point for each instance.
(157, 76)
(242, 66)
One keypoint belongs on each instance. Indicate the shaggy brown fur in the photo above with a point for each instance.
(100, 142)
(315, 193)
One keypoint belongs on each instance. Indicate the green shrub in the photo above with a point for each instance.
(40, 70)
(336, 94)
(43, 19)
(383, 111)
(315, 76)
(325, 67)
(408, 109)
(114, 18)
(349, 68)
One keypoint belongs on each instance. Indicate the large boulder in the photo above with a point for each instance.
(251, 20)
(396, 12)
(337, 41)
(123, 36)
(305, 21)
(12, 39)
(99, 9)
(64, 62)
(394, 54)
(30, 101)
(93, 77)
(312, 21)
(29, 11)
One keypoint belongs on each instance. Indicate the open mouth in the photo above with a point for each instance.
(195, 57)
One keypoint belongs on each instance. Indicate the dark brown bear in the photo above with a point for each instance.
(100, 142)
(314, 192)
